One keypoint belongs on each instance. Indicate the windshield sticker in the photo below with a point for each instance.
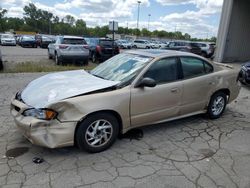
(141, 59)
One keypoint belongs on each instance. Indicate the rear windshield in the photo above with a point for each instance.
(106, 42)
(73, 41)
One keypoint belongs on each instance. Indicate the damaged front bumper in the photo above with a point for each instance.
(50, 134)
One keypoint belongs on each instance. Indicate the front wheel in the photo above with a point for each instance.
(97, 132)
(217, 105)
(57, 59)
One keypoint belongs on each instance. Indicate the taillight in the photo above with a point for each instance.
(63, 46)
(98, 48)
(86, 46)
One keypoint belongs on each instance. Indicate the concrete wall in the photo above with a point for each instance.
(233, 43)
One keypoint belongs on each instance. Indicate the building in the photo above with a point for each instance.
(233, 44)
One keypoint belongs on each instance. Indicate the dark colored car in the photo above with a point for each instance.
(102, 49)
(1, 61)
(184, 46)
(244, 75)
(28, 41)
(45, 41)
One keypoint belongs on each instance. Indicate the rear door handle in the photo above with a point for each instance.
(211, 83)
(174, 90)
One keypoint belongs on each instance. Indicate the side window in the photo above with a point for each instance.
(163, 71)
(171, 44)
(208, 68)
(193, 67)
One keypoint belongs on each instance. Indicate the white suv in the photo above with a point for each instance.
(138, 43)
(69, 48)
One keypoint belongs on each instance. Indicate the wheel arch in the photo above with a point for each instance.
(114, 113)
(226, 91)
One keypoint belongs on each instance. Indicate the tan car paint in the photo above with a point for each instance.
(134, 106)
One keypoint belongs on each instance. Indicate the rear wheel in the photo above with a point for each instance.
(97, 132)
(203, 54)
(217, 105)
(93, 57)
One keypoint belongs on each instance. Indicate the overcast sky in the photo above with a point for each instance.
(200, 18)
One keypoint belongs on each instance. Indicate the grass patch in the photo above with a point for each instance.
(35, 67)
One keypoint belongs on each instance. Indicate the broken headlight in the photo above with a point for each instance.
(45, 114)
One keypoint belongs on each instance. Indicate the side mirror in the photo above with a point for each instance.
(146, 82)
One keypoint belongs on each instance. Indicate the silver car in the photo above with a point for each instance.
(8, 39)
(69, 48)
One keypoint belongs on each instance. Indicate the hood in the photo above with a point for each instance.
(54, 87)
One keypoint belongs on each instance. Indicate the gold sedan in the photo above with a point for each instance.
(132, 89)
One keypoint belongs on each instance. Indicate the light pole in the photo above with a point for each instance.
(148, 20)
(139, 2)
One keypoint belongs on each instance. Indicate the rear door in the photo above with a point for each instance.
(198, 82)
(152, 105)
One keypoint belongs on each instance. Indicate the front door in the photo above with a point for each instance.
(153, 105)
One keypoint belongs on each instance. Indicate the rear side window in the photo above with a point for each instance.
(73, 41)
(193, 67)
(163, 71)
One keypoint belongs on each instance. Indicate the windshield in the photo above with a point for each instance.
(6, 36)
(123, 67)
(28, 38)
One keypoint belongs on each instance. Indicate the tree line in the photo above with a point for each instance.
(42, 21)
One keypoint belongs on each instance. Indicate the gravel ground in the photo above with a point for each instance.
(192, 152)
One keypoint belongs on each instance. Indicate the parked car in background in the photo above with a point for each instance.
(140, 43)
(132, 89)
(8, 40)
(207, 48)
(244, 75)
(0, 37)
(45, 41)
(1, 61)
(124, 44)
(69, 49)
(28, 41)
(184, 46)
(102, 49)
(18, 39)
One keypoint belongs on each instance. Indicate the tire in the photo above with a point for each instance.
(93, 57)
(86, 62)
(57, 59)
(203, 54)
(49, 55)
(217, 105)
(93, 141)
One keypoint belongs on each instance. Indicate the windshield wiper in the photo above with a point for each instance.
(98, 76)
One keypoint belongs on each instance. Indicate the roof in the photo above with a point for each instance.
(160, 53)
(72, 37)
